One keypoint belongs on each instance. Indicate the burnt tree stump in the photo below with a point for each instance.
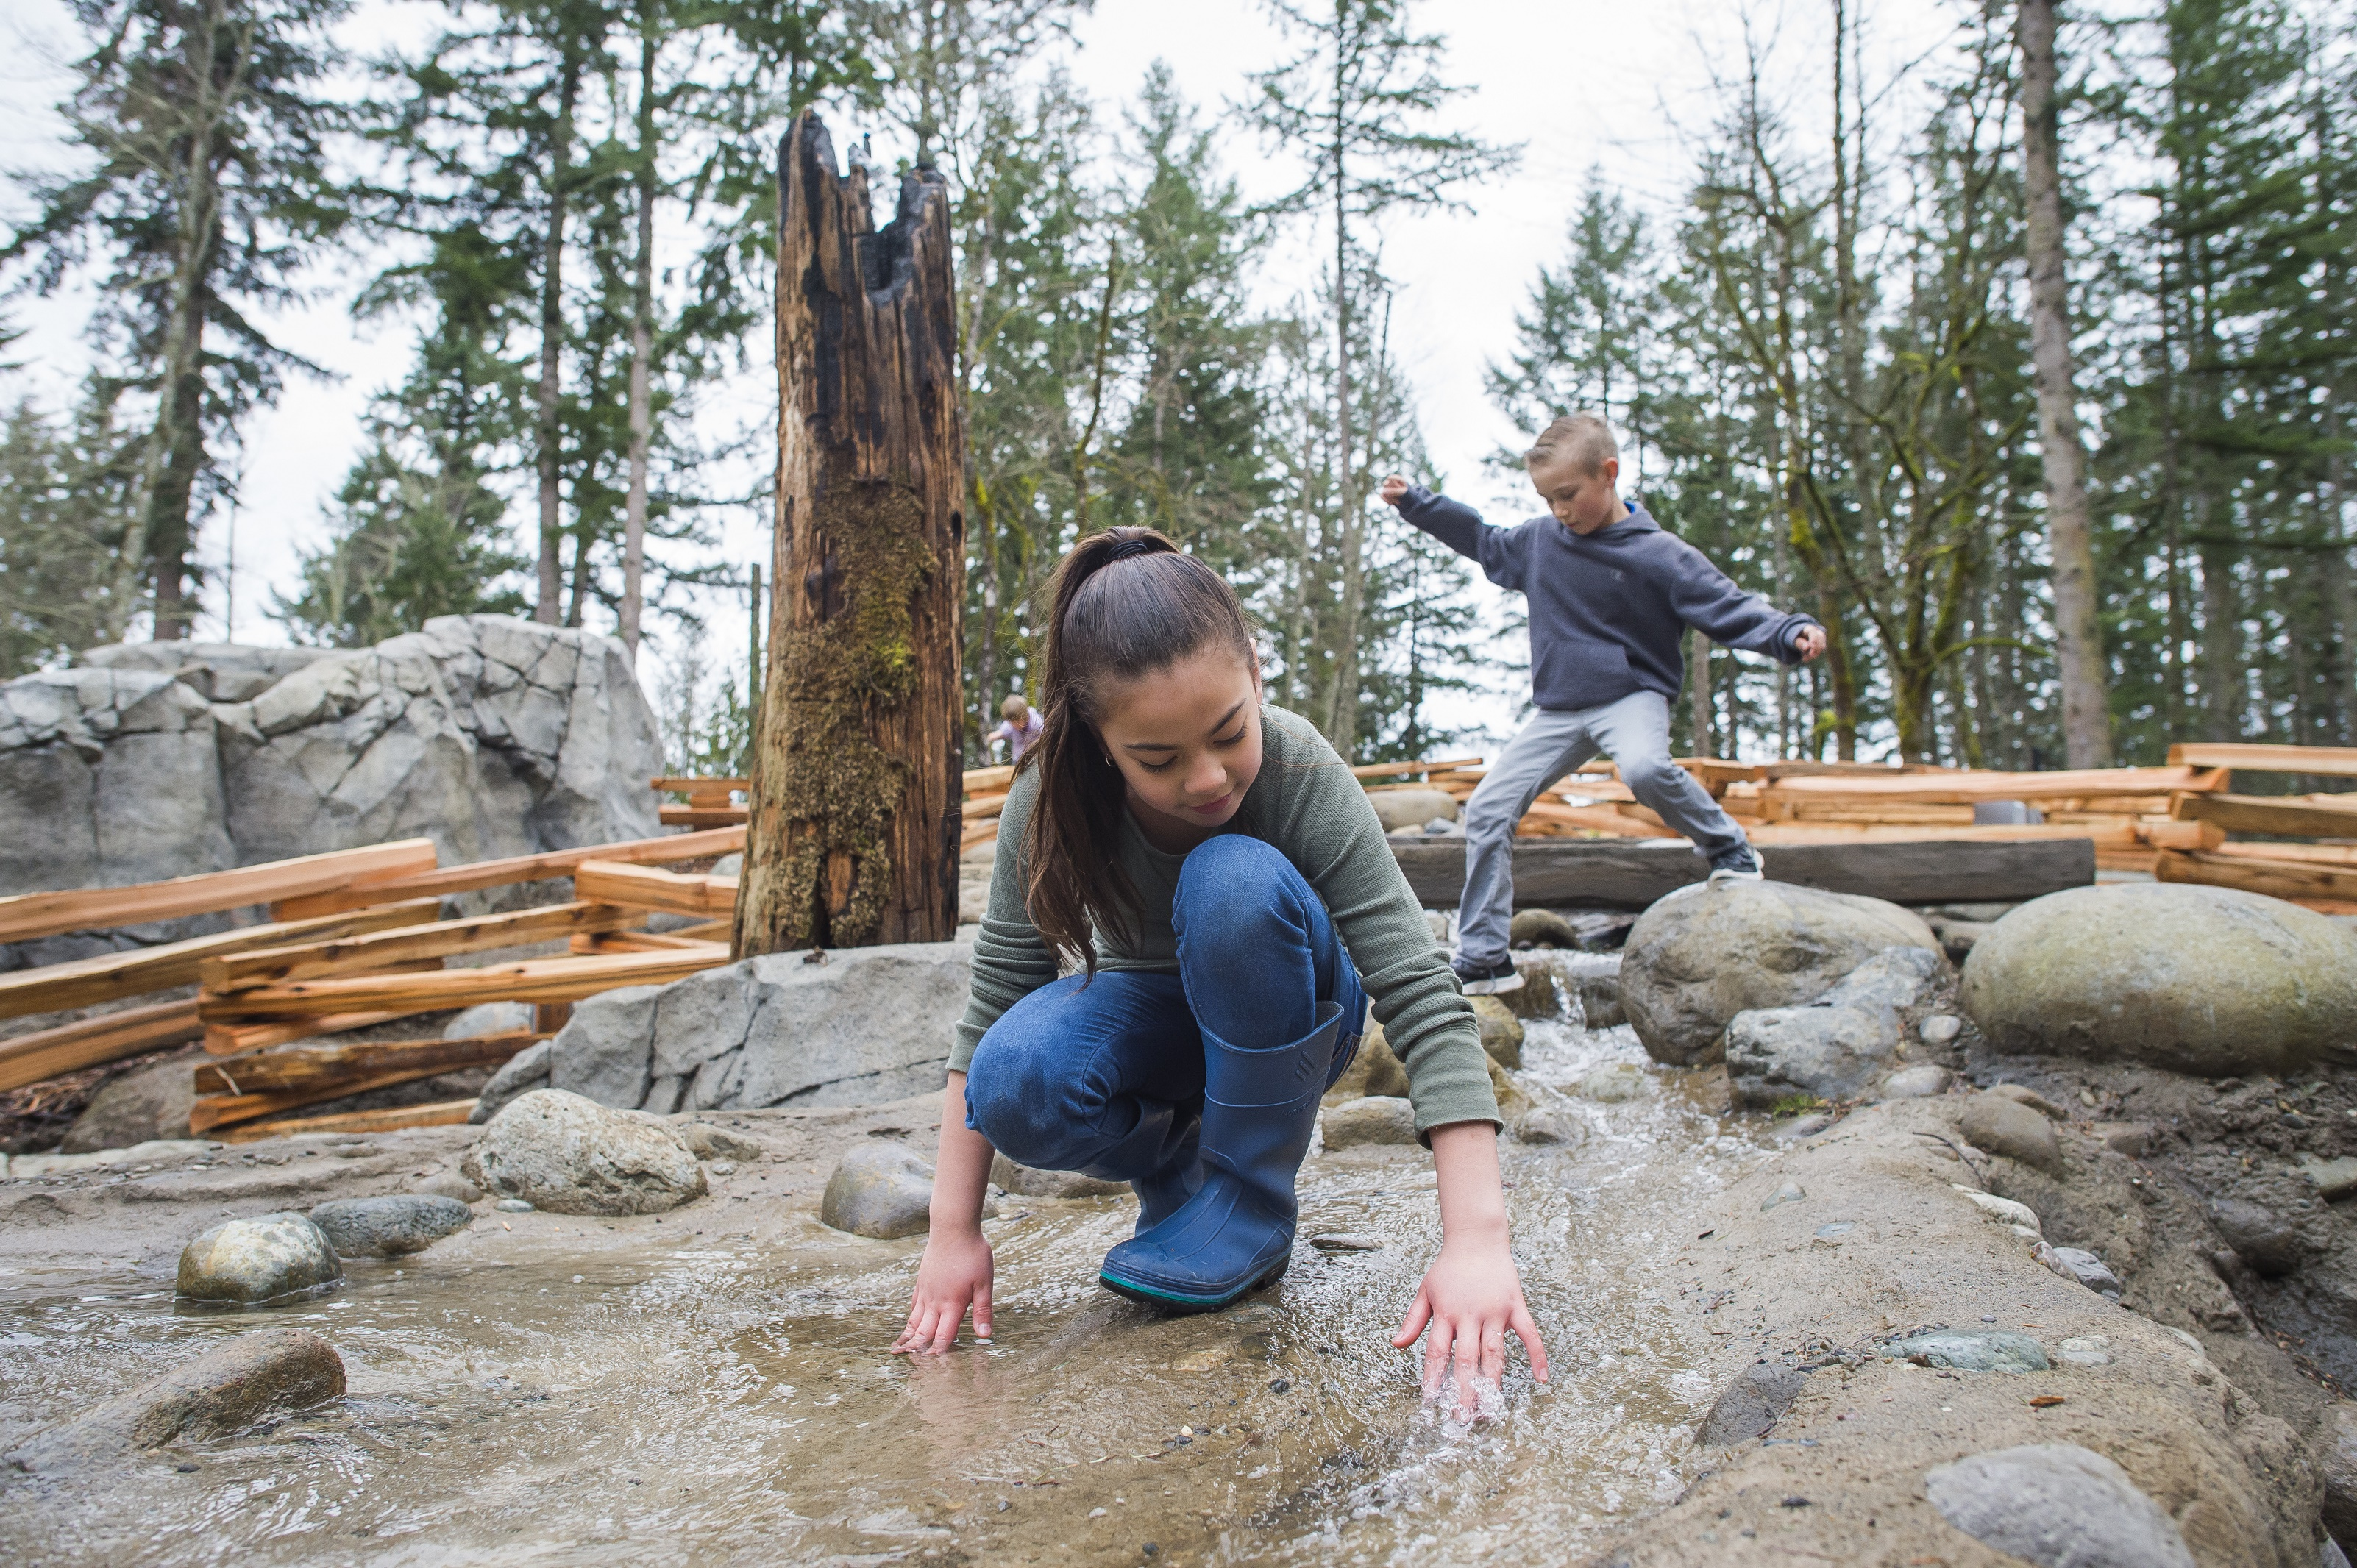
(853, 836)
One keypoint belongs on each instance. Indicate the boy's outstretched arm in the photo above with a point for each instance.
(1472, 1295)
(1706, 599)
(1460, 528)
(958, 1271)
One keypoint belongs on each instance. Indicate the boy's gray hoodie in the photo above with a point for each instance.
(1608, 611)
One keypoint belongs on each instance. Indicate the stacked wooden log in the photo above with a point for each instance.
(2308, 853)
(353, 939)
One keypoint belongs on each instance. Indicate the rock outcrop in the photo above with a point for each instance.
(492, 737)
(868, 1024)
(1704, 953)
(1833, 1047)
(2200, 980)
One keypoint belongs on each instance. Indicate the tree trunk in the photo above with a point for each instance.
(855, 781)
(550, 610)
(2079, 648)
(642, 333)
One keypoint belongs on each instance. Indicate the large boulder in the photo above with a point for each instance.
(2197, 980)
(490, 735)
(1706, 952)
(570, 1155)
(868, 1024)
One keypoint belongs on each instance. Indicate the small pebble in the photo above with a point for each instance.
(1988, 1317)
(1790, 1192)
(722, 1167)
(1794, 1503)
(1345, 1242)
(1096, 1513)
(513, 1205)
(186, 1469)
(1152, 1550)
(1278, 1385)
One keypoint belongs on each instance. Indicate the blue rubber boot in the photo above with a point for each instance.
(1236, 1232)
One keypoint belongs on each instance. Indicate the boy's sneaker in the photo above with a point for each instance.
(1486, 979)
(1740, 863)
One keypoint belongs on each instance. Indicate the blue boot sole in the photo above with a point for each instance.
(1179, 1305)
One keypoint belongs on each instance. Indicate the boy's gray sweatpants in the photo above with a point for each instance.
(1633, 732)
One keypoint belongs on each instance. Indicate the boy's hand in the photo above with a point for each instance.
(957, 1272)
(1394, 490)
(1469, 1299)
(1809, 641)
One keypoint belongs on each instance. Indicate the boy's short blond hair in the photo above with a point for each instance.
(1014, 710)
(1580, 439)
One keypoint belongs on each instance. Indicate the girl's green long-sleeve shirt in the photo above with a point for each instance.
(1306, 805)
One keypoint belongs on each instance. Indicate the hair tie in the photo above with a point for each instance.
(1127, 548)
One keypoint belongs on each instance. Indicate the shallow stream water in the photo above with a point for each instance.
(719, 1399)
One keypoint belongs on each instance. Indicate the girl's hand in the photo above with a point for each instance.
(1469, 1298)
(956, 1273)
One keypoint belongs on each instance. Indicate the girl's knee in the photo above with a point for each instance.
(1015, 1095)
(1229, 889)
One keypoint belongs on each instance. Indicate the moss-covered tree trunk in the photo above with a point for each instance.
(855, 781)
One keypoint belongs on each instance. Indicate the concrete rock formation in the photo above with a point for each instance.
(2199, 980)
(569, 1155)
(1704, 953)
(868, 1024)
(490, 735)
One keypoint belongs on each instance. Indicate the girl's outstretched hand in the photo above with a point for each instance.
(956, 1273)
(1473, 1293)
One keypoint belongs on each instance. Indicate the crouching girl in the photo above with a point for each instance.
(1219, 880)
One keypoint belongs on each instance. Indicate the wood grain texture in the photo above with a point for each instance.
(443, 939)
(647, 887)
(229, 1039)
(26, 915)
(2290, 815)
(531, 979)
(109, 977)
(94, 1042)
(1599, 873)
(244, 1088)
(854, 832)
(444, 1113)
(542, 867)
(2323, 761)
(2297, 879)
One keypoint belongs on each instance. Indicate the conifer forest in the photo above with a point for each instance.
(2027, 363)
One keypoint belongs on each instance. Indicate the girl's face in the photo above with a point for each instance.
(1186, 740)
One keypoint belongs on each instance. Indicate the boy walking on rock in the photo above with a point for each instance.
(1610, 598)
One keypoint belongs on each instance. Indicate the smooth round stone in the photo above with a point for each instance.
(879, 1190)
(1919, 1082)
(2005, 1126)
(1502, 1032)
(392, 1226)
(269, 1258)
(567, 1154)
(1374, 1119)
(1550, 1128)
(513, 1205)
(2056, 1504)
(1345, 1241)
(1940, 1029)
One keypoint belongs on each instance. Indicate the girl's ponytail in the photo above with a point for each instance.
(1121, 604)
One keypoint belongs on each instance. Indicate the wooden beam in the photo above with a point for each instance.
(230, 1039)
(2325, 853)
(94, 1042)
(2325, 761)
(650, 941)
(110, 977)
(1971, 786)
(693, 815)
(978, 781)
(976, 806)
(2294, 879)
(28, 916)
(531, 979)
(1387, 770)
(443, 938)
(699, 786)
(444, 1113)
(544, 867)
(2296, 816)
(1600, 874)
(244, 1088)
(645, 887)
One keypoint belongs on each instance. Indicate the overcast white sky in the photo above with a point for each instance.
(1617, 88)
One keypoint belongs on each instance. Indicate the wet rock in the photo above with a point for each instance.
(1397, 808)
(2340, 1465)
(1512, 1103)
(389, 1227)
(706, 1142)
(1752, 1403)
(1802, 1127)
(2022, 1094)
(1832, 1052)
(1612, 1085)
(525, 1071)
(269, 1258)
(1373, 1120)
(1703, 955)
(568, 1154)
(2334, 1179)
(1345, 1241)
(1940, 1029)
(1599, 998)
(1373, 1071)
(2056, 1504)
(1971, 1350)
(513, 1206)
(879, 1190)
(149, 1104)
(1919, 1082)
(1023, 1181)
(1542, 929)
(2008, 1127)
(488, 1018)
(1502, 1032)
(2260, 1236)
(2078, 1263)
(2201, 980)
(218, 1394)
(1541, 994)
(1549, 1128)
(1893, 981)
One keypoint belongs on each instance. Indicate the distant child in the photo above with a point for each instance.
(1021, 730)
(1610, 596)
(1214, 886)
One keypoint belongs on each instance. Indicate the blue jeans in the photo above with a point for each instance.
(1105, 1075)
